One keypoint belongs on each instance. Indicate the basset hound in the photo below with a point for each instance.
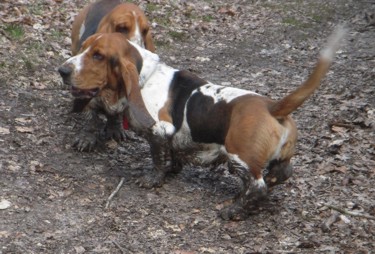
(189, 120)
(105, 16)
(109, 16)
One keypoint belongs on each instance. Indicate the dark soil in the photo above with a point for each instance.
(52, 198)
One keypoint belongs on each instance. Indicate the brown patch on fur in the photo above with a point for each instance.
(164, 114)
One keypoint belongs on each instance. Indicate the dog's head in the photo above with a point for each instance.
(130, 20)
(108, 67)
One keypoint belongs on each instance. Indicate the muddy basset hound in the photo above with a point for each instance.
(189, 120)
(105, 16)
(109, 16)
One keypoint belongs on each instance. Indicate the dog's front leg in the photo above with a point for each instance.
(88, 136)
(252, 191)
(113, 128)
(162, 162)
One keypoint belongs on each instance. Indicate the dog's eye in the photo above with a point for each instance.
(97, 56)
(122, 29)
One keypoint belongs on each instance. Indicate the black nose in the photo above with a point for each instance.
(65, 71)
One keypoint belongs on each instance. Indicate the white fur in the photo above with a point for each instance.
(137, 38)
(155, 89)
(225, 93)
(283, 139)
(149, 65)
(334, 41)
(163, 129)
(82, 29)
(209, 153)
(77, 61)
(260, 183)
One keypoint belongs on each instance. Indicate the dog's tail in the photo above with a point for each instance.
(295, 99)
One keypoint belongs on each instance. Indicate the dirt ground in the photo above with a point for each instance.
(52, 198)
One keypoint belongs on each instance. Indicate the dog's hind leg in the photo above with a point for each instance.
(253, 190)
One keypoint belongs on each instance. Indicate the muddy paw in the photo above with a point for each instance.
(151, 180)
(114, 132)
(85, 142)
(278, 173)
(234, 212)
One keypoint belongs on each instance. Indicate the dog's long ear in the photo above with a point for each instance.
(137, 108)
(149, 44)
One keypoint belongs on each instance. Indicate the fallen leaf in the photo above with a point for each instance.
(4, 130)
(344, 219)
(79, 249)
(338, 129)
(24, 129)
(337, 143)
(22, 120)
(4, 204)
(4, 234)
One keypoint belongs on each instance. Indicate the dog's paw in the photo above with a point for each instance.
(234, 212)
(114, 132)
(85, 142)
(278, 173)
(153, 179)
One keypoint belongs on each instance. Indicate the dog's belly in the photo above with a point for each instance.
(199, 154)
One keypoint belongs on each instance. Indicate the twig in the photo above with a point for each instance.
(343, 211)
(119, 246)
(114, 192)
(339, 124)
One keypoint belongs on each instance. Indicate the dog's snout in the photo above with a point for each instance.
(65, 71)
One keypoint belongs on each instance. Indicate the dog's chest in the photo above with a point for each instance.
(156, 89)
(101, 104)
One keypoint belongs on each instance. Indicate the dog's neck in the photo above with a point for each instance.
(150, 61)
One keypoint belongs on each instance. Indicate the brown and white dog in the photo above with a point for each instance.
(105, 16)
(189, 120)
(109, 16)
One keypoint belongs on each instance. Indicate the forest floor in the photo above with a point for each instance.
(52, 197)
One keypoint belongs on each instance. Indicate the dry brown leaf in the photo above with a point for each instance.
(22, 120)
(339, 129)
(24, 129)
(4, 130)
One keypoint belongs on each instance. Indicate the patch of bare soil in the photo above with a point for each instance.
(52, 198)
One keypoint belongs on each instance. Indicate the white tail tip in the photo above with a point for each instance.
(333, 44)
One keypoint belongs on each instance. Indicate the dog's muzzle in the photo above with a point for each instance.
(84, 93)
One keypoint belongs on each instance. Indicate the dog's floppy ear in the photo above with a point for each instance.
(137, 108)
(149, 45)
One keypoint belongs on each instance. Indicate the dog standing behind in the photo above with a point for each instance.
(105, 16)
(189, 120)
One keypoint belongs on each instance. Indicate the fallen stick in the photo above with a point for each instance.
(354, 214)
(119, 246)
(114, 192)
